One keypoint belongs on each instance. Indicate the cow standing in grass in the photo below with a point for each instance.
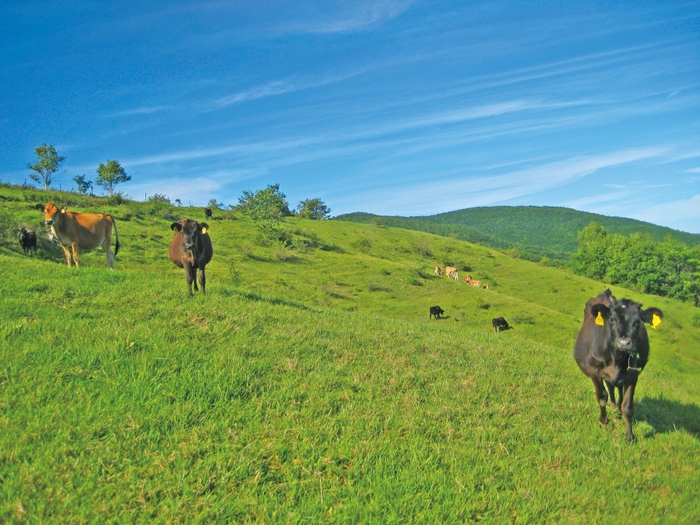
(499, 323)
(81, 231)
(27, 240)
(436, 311)
(191, 249)
(613, 347)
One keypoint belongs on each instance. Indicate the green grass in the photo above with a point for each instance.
(315, 389)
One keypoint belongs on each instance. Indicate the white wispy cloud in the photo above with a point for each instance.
(280, 87)
(147, 110)
(470, 191)
(346, 16)
(674, 213)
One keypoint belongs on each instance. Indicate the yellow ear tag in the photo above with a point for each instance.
(599, 320)
(204, 230)
(655, 321)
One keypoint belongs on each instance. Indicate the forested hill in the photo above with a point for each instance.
(534, 231)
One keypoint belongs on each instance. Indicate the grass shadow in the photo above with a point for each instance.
(665, 415)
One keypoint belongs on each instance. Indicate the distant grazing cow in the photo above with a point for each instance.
(27, 240)
(436, 311)
(613, 347)
(486, 286)
(499, 323)
(471, 281)
(81, 231)
(451, 272)
(191, 250)
(207, 213)
(438, 271)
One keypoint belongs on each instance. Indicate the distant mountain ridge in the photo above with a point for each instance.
(534, 231)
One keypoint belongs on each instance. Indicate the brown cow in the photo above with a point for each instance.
(191, 249)
(471, 281)
(451, 272)
(81, 231)
(612, 347)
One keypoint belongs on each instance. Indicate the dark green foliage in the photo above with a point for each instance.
(83, 185)
(313, 209)
(639, 262)
(267, 204)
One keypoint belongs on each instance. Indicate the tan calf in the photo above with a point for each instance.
(81, 231)
(451, 272)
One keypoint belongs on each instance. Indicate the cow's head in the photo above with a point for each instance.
(624, 319)
(191, 231)
(50, 212)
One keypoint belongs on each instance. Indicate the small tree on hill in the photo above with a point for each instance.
(267, 204)
(313, 209)
(111, 174)
(49, 163)
(82, 184)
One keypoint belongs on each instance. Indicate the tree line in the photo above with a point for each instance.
(669, 268)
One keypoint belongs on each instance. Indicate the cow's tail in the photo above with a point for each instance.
(116, 236)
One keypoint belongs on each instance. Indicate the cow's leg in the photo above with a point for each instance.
(602, 397)
(74, 249)
(108, 252)
(202, 279)
(67, 254)
(611, 393)
(189, 271)
(628, 407)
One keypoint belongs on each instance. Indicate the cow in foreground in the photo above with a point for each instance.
(499, 323)
(27, 240)
(191, 249)
(436, 311)
(81, 231)
(613, 347)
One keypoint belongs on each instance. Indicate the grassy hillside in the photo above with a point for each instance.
(309, 385)
(535, 231)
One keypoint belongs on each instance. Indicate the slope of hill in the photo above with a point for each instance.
(310, 385)
(535, 231)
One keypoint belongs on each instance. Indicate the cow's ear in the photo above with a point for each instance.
(600, 313)
(176, 226)
(40, 207)
(203, 226)
(652, 316)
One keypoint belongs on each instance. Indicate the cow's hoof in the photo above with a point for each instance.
(603, 421)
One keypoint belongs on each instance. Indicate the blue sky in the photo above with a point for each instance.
(386, 106)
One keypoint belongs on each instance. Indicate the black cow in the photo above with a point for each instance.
(436, 311)
(27, 240)
(499, 323)
(613, 347)
(207, 213)
(191, 249)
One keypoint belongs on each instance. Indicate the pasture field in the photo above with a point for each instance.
(309, 385)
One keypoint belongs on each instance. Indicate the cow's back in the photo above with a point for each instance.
(89, 230)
